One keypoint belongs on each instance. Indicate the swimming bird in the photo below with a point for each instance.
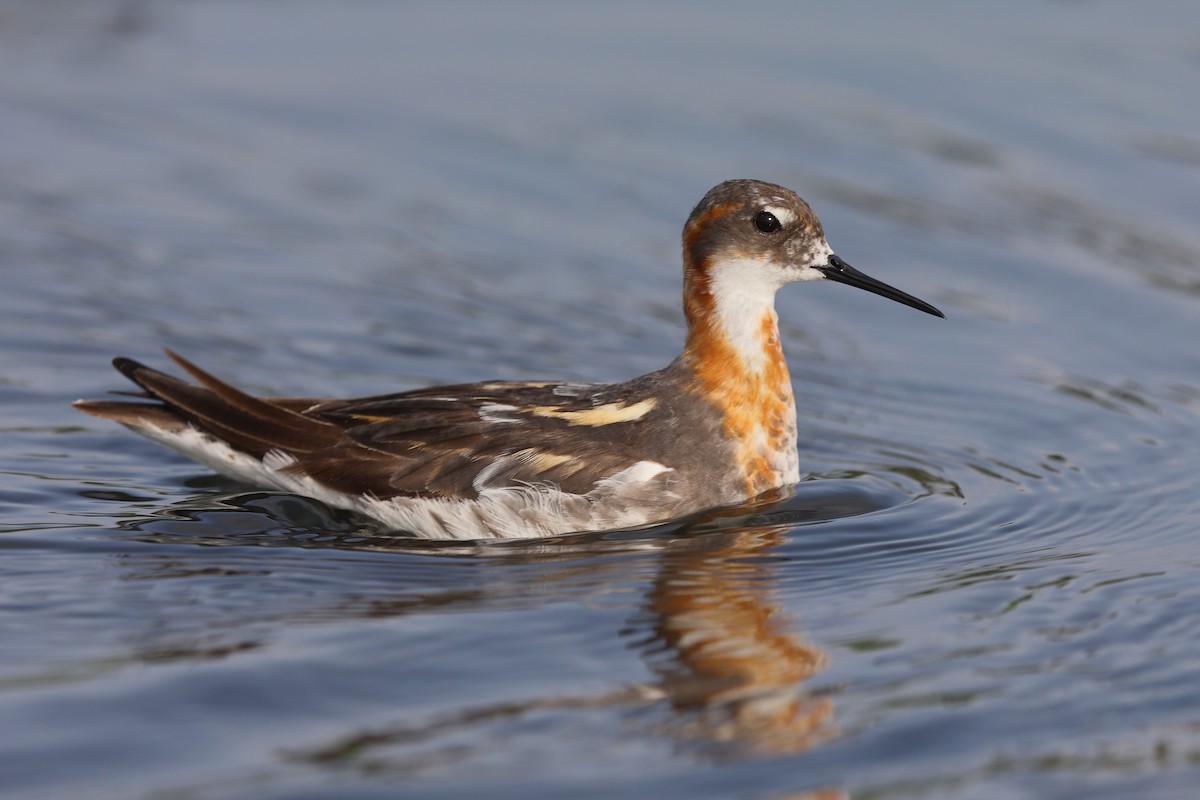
(518, 460)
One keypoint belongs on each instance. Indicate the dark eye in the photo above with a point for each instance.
(766, 222)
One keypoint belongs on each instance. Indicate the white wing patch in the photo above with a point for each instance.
(494, 412)
(574, 389)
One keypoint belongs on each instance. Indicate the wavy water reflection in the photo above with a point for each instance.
(730, 667)
(729, 660)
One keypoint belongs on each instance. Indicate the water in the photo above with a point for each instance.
(987, 587)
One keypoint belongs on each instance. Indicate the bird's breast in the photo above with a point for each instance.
(755, 401)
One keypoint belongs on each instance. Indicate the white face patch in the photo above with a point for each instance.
(782, 213)
(821, 253)
(817, 256)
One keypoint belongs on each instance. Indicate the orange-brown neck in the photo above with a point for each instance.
(735, 354)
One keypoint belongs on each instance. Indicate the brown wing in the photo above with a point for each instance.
(448, 441)
(454, 440)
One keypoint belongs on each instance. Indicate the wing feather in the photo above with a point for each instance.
(445, 441)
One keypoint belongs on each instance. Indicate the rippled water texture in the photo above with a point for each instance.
(986, 587)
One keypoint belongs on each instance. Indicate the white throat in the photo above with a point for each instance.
(743, 292)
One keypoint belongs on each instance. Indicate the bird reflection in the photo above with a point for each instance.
(728, 659)
(730, 668)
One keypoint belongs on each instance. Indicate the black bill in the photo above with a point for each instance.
(840, 271)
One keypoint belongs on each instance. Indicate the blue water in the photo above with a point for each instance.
(986, 587)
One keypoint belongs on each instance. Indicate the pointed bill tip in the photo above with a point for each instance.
(841, 272)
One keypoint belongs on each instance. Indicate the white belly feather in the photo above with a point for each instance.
(531, 511)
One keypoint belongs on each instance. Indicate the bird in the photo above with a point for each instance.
(505, 460)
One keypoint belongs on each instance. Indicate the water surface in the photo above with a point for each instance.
(986, 586)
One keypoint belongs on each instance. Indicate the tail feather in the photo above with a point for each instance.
(246, 423)
(134, 415)
(251, 405)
